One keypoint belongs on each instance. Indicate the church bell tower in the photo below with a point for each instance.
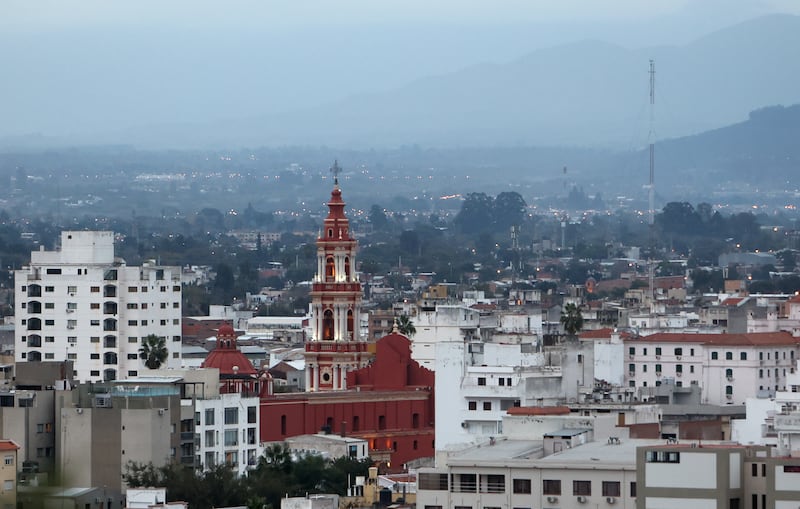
(336, 346)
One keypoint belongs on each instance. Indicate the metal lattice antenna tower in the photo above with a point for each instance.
(651, 186)
(335, 170)
(652, 135)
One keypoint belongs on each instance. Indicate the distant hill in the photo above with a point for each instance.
(762, 151)
(588, 93)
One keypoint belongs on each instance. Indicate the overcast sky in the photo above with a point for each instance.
(73, 66)
(43, 15)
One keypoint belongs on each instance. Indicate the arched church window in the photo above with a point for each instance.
(327, 325)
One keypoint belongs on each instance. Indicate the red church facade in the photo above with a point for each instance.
(390, 403)
(373, 391)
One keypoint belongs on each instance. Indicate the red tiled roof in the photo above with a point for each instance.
(667, 282)
(750, 339)
(596, 334)
(8, 445)
(794, 300)
(538, 410)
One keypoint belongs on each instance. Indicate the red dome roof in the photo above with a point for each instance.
(226, 356)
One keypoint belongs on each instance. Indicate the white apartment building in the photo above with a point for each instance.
(729, 368)
(80, 303)
(483, 380)
(439, 323)
(228, 430)
(515, 473)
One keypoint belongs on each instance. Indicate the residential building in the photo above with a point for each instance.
(80, 303)
(729, 368)
(8, 474)
(227, 424)
(722, 475)
(517, 473)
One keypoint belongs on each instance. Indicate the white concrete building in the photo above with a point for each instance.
(729, 368)
(80, 303)
(515, 473)
(439, 323)
(228, 429)
(483, 380)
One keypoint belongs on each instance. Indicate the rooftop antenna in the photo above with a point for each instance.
(651, 186)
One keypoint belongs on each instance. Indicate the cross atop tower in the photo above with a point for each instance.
(336, 170)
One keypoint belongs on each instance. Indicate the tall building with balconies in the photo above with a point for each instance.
(80, 303)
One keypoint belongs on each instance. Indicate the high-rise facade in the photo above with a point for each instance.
(80, 303)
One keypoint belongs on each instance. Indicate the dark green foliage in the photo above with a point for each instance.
(153, 351)
(275, 476)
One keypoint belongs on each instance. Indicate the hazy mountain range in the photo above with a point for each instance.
(583, 94)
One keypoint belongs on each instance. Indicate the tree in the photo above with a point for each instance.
(572, 319)
(405, 326)
(378, 217)
(153, 351)
(509, 209)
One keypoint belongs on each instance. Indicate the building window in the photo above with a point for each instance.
(679, 368)
(633, 489)
(493, 483)
(72, 290)
(95, 289)
(487, 406)
(501, 382)
(662, 457)
(754, 469)
(691, 369)
(658, 351)
(231, 415)
(432, 482)
(678, 351)
(644, 368)
(209, 416)
(729, 390)
(210, 438)
(251, 414)
(481, 380)
(472, 405)
(9, 459)
(728, 356)
(522, 486)
(632, 351)
(743, 356)
(582, 488)
(611, 489)
(231, 437)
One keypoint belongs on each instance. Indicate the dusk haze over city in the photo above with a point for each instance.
(417, 255)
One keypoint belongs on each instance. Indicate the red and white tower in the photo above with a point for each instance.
(336, 346)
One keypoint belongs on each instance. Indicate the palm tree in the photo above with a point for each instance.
(405, 326)
(572, 319)
(153, 351)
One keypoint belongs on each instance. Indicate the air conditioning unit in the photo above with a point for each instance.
(730, 379)
(679, 357)
(552, 500)
(464, 424)
(679, 373)
(658, 373)
(160, 411)
(658, 357)
(611, 500)
(581, 499)
(79, 410)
